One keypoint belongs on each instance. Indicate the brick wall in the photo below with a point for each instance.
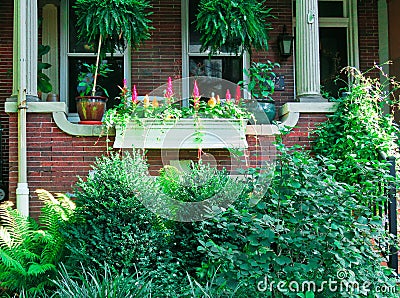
(161, 56)
(55, 159)
(368, 33)
(6, 52)
(282, 10)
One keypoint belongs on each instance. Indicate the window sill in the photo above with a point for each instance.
(289, 115)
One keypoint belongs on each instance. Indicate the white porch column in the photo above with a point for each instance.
(307, 51)
(25, 48)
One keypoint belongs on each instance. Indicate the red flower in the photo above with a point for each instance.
(134, 95)
(228, 95)
(238, 95)
(170, 92)
(196, 95)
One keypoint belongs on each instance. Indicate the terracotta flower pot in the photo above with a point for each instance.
(91, 108)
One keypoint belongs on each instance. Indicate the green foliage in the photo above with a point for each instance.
(307, 227)
(356, 132)
(30, 252)
(261, 80)
(233, 26)
(110, 223)
(102, 283)
(86, 79)
(112, 226)
(43, 83)
(202, 187)
(118, 22)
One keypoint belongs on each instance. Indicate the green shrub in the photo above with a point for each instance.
(303, 229)
(110, 224)
(30, 251)
(113, 226)
(356, 132)
(202, 187)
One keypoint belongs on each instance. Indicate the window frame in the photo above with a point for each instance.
(186, 53)
(65, 54)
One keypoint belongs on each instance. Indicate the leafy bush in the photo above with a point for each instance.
(110, 224)
(357, 131)
(113, 226)
(202, 187)
(30, 251)
(303, 229)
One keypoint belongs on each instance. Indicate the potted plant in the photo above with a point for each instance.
(233, 26)
(43, 81)
(113, 24)
(261, 86)
(91, 106)
(210, 123)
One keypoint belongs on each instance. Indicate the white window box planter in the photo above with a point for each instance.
(183, 134)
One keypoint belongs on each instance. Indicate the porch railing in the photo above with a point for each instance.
(389, 210)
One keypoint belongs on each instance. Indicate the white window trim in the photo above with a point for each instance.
(64, 41)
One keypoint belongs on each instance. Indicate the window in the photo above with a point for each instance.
(195, 63)
(75, 53)
(338, 41)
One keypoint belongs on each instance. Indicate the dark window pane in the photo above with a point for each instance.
(330, 9)
(194, 35)
(333, 57)
(110, 83)
(327, 9)
(228, 68)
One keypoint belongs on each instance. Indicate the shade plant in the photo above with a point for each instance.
(233, 26)
(102, 283)
(113, 24)
(29, 250)
(43, 84)
(359, 130)
(302, 229)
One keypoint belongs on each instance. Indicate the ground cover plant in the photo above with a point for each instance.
(302, 230)
(30, 251)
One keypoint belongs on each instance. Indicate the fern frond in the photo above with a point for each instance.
(11, 263)
(39, 269)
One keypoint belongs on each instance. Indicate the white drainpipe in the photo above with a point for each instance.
(22, 192)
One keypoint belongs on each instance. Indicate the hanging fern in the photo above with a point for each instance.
(119, 22)
(233, 26)
(30, 252)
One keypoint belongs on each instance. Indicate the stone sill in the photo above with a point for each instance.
(289, 115)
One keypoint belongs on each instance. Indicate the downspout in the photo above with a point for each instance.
(22, 192)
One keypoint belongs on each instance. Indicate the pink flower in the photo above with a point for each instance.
(238, 95)
(170, 92)
(134, 95)
(228, 95)
(196, 95)
(125, 83)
